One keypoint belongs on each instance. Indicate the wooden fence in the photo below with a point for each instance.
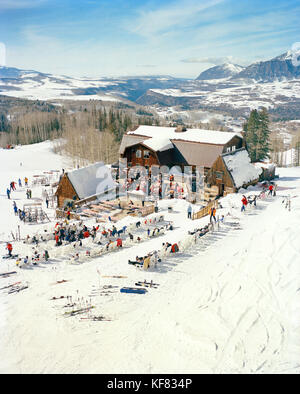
(205, 211)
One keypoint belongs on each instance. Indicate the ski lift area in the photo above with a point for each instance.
(34, 213)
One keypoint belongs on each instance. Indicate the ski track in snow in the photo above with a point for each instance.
(228, 304)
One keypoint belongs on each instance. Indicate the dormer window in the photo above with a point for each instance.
(138, 154)
(146, 154)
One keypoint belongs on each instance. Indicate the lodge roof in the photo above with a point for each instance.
(239, 166)
(190, 147)
(91, 180)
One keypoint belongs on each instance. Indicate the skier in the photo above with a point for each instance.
(244, 203)
(20, 183)
(119, 243)
(270, 190)
(8, 193)
(26, 181)
(46, 255)
(15, 208)
(9, 248)
(189, 212)
(174, 248)
(212, 213)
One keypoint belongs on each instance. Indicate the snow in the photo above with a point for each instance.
(228, 304)
(162, 134)
(241, 168)
(57, 87)
(159, 143)
(91, 180)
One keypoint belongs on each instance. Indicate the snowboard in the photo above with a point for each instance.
(132, 290)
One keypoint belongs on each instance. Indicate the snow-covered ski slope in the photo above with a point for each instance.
(228, 304)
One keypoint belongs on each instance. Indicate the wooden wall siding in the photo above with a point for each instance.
(130, 155)
(218, 175)
(64, 191)
(235, 141)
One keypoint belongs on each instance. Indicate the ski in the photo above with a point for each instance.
(59, 282)
(95, 318)
(5, 274)
(114, 276)
(78, 311)
(148, 283)
(17, 289)
(58, 298)
(7, 287)
(13, 256)
(143, 284)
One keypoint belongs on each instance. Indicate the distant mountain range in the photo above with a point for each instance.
(231, 88)
(225, 70)
(277, 69)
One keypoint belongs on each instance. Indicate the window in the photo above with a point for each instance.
(138, 154)
(233, 148)
(146, 154)
(219, 174)
(228, 149)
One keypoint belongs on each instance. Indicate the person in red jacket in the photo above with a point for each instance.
(119, 243)
(9, 248)
(270, 189)
(86, 234)
(244, 203)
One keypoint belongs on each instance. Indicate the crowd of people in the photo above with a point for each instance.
(269, 189)
(12, 187)
(154, 185)
(93, 241)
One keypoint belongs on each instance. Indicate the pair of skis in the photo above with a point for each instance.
(7, 274)
(147, 284)
(95, 318)
(13, 256)
(78, 311)
(17, 288)
(9, 286)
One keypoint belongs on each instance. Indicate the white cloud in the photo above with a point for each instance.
(151, 23)
(211, 60)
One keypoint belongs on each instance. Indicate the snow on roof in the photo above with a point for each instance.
(91, 180)
(159, 143)
(192, 135)
(269, 166)
(241, 168)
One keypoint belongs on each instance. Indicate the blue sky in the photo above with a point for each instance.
(125, 37)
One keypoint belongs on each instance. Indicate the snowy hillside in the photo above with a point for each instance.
(228, 88)
(228, 303)
(38, 86)
(226, 70)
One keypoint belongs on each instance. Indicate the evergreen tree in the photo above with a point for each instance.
(257, 135)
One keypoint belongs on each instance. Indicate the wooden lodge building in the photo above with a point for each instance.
(222, 155)
(169, 146)
(232, 171)
(84, 184)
